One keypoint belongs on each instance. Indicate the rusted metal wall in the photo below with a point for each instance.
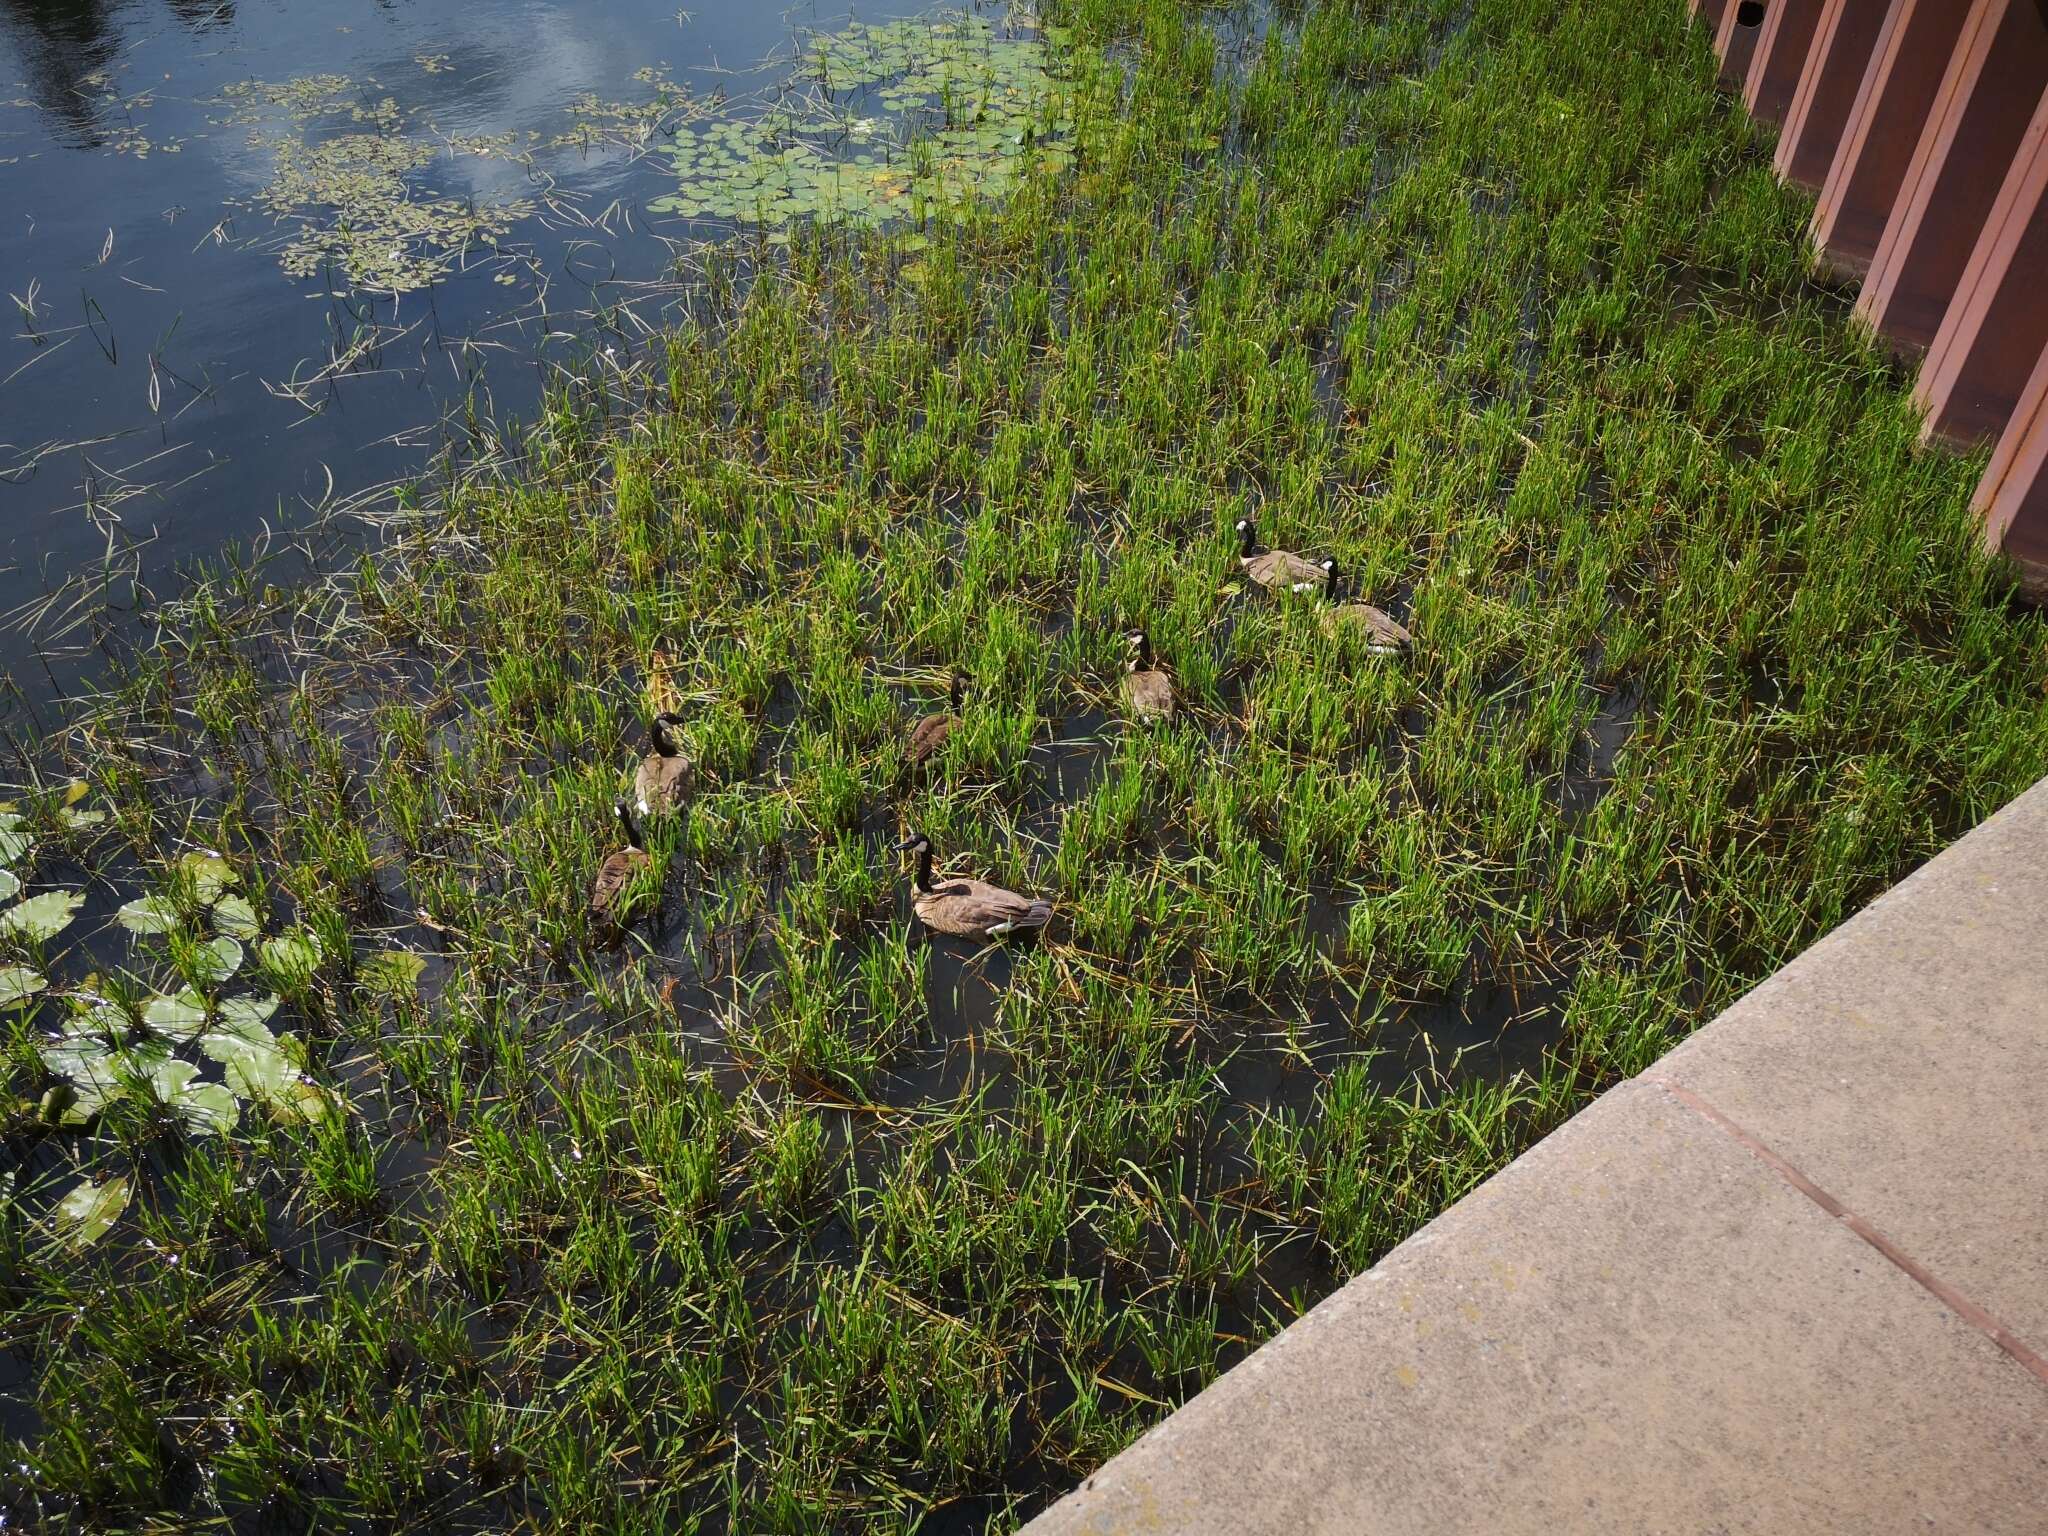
(1922, 128)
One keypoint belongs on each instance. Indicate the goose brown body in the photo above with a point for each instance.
(1385, 636)
(1277, 570)
(971, 909)
(663, 779)
(1148, 692)
(930, 733)
(608, 887)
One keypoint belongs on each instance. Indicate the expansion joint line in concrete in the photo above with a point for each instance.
(1904, 1262)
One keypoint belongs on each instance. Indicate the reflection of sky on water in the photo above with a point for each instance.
(141, 406)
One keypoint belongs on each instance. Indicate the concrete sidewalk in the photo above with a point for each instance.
(1794, 1279)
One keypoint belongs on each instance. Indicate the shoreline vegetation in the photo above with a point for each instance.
(358, 1178)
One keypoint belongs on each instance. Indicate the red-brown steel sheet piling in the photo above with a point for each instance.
(1782, 46)
(1907, 62)
(1981, 112)
(1843, 40)
(1997, 324)
(1735, 42)
(2013, 495)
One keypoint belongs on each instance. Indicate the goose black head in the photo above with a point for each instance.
(632, 828)
(957, 692)
(662, 731)
(1330, 578)
(1141, 650)
(920, 845)
(1247, 536)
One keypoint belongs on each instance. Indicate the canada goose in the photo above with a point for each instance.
(1384, 635)
(1276, 570)
(662, 781)
(1147, 691)
(930, 733)
(608, 890)
(969, 909)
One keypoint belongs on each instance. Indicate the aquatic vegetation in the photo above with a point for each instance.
(913, 118)
(84, 1215)
(780, 1214)
(350, 200)
(594, 119)
(106, 1050)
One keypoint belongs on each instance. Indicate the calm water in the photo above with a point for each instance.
(196, 348)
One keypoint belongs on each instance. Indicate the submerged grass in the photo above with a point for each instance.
(776, 1219)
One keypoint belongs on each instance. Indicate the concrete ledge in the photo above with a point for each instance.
(1793, 1279)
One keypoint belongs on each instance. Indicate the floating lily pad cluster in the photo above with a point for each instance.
(154, 1048)
(344, 178)
(106, 1051)
(913, 118)
(34, 922)
(150, 1044)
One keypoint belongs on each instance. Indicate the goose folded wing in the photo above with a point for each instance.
(1281, 568)
(974, 907)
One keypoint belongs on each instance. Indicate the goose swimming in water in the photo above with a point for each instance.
(930, 733)
(1148, 692)
(969, 909)
(662, 781)
(1277, 570)
(1384, 635)
(615, 874)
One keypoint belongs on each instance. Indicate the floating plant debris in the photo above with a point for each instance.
(350, 199)
(905, 118)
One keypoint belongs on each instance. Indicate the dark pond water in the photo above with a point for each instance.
(257, 252)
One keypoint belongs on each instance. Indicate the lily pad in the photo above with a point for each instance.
(180, 1018)
(89, 1212)
(10, 884)
(94, 1074)
(13, 841)
(246, 1012)
(90, 1063)
(258, 1065)
(211, 874)
(292, 957)
(42, 917)
(217, 959)
(302, 1102)
(148, 914)
(208, 1109)
(68, 1104)
(235, 917)
(18, 984)
(260, 1072)
(395, 971)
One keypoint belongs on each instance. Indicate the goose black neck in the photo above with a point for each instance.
(1246, 537)
(632, 829)
(958, 691)
(924, 867)
(664, 740)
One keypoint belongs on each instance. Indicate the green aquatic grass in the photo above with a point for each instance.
(764, 1218)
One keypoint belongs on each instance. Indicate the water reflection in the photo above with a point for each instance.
(69, 48)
